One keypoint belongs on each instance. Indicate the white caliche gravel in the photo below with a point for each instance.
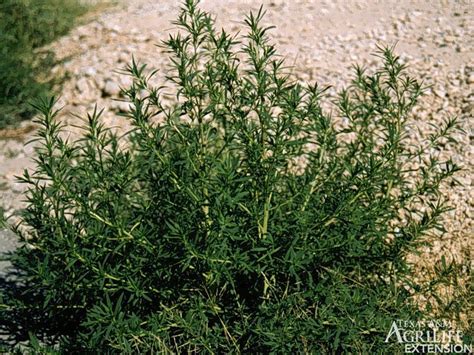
(320, 38)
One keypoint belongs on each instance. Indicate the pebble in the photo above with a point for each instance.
(82, 85)
(113, 28)
(111, 88)
(440, 93)
(449, 39)
(29, 149)
(125, 58)
(126, 81)
(120, 106)
(18, 187)
(90, 71)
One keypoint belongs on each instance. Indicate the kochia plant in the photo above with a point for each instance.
(240, 218)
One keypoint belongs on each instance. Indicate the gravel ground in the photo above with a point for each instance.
(320, 39)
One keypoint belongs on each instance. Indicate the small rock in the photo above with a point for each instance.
(100, 82)
(142, 38)
(113, 28)
(126, 81)
(120, 106)
(111, 88)
(470, 79)
(143, 94)
(29, 149)
(439, 92)
(449, 39)
(124, 57)
(90, 71)
(82, 85)
(18, 187)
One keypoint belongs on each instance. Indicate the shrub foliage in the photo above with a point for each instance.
(241, 217)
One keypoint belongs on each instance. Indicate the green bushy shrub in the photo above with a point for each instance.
(240, 218)
(25, 26)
